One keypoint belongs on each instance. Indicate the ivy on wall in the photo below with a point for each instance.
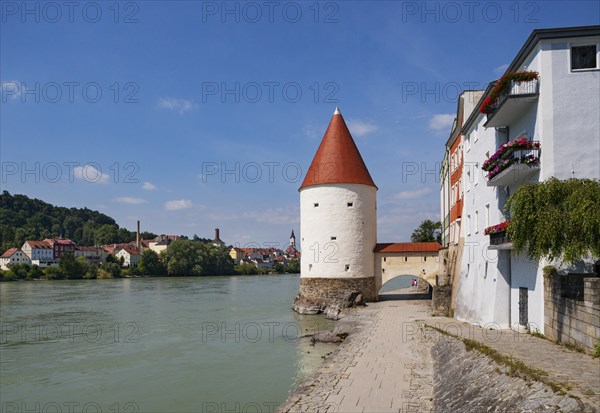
(556, 219)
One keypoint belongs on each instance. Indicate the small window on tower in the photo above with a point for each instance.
(405, 259)
(384, 259)
(350, 204)
(309, 267)
(333, 238)
(347, 267)
(316, 204)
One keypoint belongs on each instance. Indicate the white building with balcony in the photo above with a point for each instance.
(555, 115)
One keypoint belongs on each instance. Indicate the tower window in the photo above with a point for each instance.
(347, 267)
(316, 204)
(424, 258)
(383, 270)
(309, 267)
(350, 204)
(405, 259)
(384, 259)
(333, 238)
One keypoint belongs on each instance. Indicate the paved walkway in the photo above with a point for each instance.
(579, 371)
(387, 366)
(384, 368)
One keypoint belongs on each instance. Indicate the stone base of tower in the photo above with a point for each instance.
(330, 295)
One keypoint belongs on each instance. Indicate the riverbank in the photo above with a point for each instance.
(394, 361)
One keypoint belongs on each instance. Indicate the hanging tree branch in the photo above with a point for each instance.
(556, 219)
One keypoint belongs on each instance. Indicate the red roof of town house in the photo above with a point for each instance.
(337, 160)
(39, 244)
(9, 252)
(408, 247)
(131, 250)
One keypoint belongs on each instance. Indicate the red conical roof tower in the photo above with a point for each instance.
(337, 160)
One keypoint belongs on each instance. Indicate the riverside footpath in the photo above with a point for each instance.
(398, 358)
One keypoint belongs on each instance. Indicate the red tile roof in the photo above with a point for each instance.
(130, 250)
(39, 244)
(9, 252)
(337, 160)
(408, 247)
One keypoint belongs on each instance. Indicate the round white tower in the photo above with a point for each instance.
(338, 220)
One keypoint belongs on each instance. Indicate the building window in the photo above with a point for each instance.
(347, 267)
(584, 57)
(350, 204)
(384, 259)
(333, 238)
(405, 259)
(309, 267)
(316, 205)
(468, 224)
(424, 259)
(383, 270)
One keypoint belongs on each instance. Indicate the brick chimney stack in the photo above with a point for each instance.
(137, 236)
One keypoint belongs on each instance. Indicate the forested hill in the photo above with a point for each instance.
(23, 218)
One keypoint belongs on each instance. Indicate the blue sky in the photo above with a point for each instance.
(191, 115)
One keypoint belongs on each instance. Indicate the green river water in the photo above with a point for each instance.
(192, 344)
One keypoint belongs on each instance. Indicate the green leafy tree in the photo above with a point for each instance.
(184, 257)
(556, 219)
(293, 266)
(150, 264)
(279, 268)
(106, 234)
(427, 231)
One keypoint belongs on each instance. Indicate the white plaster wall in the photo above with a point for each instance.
(355, 229)
(483, 293)
(576, 109)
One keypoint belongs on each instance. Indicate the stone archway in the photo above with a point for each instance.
(404, 290)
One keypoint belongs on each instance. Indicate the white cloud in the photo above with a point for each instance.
(361, 128)
(441, 123)
(311, 132)
(10, 89)
(128, 200)
(89, 173)
(149, 186)
(177, 204)
(176, 105)
(412, 194)
(501, 69)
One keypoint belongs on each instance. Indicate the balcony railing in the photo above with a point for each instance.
(513, 162)
(499, 238)
(511, 102)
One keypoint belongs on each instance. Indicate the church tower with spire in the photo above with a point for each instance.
(338, 220)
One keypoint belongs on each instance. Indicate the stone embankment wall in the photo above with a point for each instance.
(327, 290)
(468, 381)
(572, 309)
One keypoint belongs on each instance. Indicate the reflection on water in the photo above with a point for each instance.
(154, 344)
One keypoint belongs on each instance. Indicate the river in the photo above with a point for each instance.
(191, 344)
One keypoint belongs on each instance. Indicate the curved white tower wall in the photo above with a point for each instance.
(338, 230)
